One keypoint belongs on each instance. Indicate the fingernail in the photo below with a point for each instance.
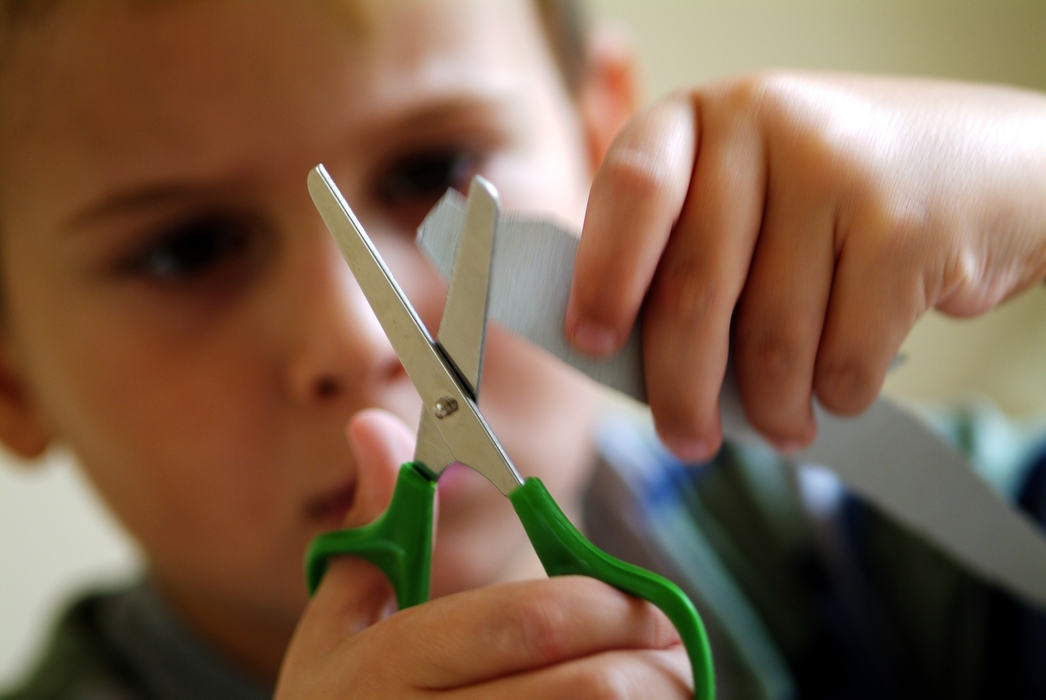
(595, 339)
(788, 447)
(689, 449)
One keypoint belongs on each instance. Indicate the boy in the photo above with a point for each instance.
(175, 311)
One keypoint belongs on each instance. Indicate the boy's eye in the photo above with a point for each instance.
(193, 248)
(420, 179)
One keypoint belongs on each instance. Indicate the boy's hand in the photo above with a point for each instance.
(810, 220)
(562, 638)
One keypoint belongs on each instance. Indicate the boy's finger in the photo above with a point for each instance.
(354, 593)
(686, 319)
(636, 197)
(876, 298)
(381, 443)
(480, 635)
(653, 674)
(778, 322)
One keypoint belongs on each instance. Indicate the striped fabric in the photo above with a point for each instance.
(810, 593)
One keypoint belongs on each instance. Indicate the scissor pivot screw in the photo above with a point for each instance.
(445, 406)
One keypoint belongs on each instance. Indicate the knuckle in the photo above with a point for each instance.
(603, 681)
(658, 628)
(960, 285)
(769, 96)
(772, 356)
(755, 90)
(774, 377)
(635, 170)
(811, 130)
(653, 155)
(899, 220)
(536, 623)
(965, 269)
(684, 291)
(743, 90)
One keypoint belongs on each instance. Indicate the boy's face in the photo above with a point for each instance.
(178, 314)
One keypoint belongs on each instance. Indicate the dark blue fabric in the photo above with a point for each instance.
(1018, 661)
(838, 660)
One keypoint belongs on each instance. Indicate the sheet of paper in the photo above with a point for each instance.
(887, 455)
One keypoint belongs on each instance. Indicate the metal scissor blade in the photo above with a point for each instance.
(464, 430)
(463, 327)
(431, 449)
(400, 322)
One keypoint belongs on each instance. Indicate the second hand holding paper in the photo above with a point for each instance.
(886, 455)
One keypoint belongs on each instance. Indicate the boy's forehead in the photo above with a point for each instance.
(129, 86)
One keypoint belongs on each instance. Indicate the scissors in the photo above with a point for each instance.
(446, 373)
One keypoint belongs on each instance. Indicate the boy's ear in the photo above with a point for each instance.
(610, 93)
(22, 428)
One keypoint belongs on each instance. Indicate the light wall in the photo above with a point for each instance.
(54, 537)
(987, 40)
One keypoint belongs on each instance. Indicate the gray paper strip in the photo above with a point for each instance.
(886, 455)
(530, 286)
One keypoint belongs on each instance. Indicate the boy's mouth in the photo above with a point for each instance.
(330, 508)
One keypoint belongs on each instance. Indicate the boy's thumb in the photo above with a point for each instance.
(354, 593)
(381, 443)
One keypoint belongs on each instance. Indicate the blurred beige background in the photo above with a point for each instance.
(54, 538)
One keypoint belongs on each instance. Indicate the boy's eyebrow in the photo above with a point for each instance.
(446, 107)
(425, 112)
(142, 197)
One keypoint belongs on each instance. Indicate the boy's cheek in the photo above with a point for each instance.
(542, 410)
(195, 475)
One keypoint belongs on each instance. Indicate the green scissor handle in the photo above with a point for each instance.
(400, 544)
(565, 551)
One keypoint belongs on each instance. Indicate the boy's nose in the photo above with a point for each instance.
(340, 352)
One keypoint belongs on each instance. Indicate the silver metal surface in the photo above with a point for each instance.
(444, 407)
(466, 434)
(463, 327)
(887, 456)
(431, 449)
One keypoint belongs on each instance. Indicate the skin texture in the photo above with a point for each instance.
(209, 408)
(801, 224)
(565, 638)
(807, 220)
